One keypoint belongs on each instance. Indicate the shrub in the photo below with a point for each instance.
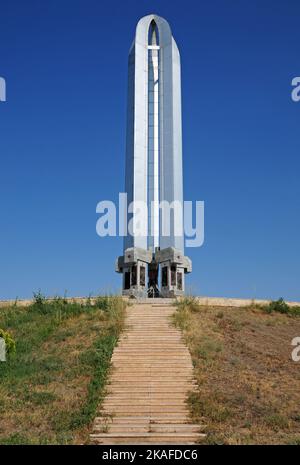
(279, 306)
(109, 303)
(103, 302)
(9, 342)
(38, 298)
(295, 311)
(40, 303)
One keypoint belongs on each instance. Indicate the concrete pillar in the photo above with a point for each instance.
(172, 279)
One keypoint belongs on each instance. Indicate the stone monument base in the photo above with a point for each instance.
(159, 274)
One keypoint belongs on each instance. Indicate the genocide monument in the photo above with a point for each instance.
(154, 165)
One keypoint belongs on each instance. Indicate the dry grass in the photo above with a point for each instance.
(248, 384)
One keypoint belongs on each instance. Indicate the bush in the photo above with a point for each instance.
(9, 342)
(279, 306)
(103, 302)
(38, 298)
(109, 303)
(295, 311)
(40, 303)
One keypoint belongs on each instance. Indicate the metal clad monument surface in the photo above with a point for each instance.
(154, 165)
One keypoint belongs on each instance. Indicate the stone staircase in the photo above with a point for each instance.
(151, 376)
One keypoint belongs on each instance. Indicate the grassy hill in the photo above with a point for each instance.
(248, 383)
(51, 387)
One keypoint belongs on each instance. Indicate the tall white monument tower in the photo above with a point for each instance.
(153, 262)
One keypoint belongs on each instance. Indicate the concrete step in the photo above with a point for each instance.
(139, 369)
(153, 374)
(152, 438)
(158, 363)
(145, 410)
(169, 377)
(189, 435)
(150, 382)
(128, 391)
(146, 396)
(151, 350)
(144, 419)
(131, 402)
(147, 428)
(131, 442)
(150, 357)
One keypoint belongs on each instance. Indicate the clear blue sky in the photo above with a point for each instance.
(62, 141)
